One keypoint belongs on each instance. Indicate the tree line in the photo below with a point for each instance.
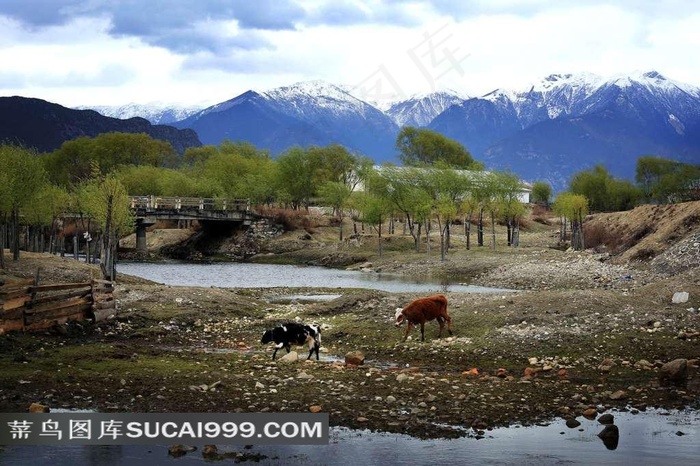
(438, 183)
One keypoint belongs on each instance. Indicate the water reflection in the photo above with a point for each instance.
(237, 275)
(610, 436)
(651, 437)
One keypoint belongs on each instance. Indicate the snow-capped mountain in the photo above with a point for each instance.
(306, 113)
(547, 130)
(567, 123)
(158, 113)
(420, 110)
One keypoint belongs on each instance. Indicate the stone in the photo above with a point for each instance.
(179, 450)
(401, 377)
(210, 451)
(590, 413)
(680, 297)
(391, 399)
(315, 409)
(619, 395)
(643, 364)
(675, 371)
(356, 358)
(572, 423)
(606, 419)
(38, 408)
(292, 356)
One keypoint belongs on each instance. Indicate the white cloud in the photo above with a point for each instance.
(476, 48)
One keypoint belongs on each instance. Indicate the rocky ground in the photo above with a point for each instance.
(585, 332)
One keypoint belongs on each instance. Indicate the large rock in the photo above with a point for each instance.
(675, 371)
(355, 358)
(292, 356)
(680, 297)
(38, 408)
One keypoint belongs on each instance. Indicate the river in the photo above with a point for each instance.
(241, 275)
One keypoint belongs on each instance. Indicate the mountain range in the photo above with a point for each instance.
(547, 131)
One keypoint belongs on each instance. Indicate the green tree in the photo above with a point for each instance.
(296, 177)
(604, 192)
(337, 195)
(106, 200)
(74, 161)
(374, 205)
(541, 193)
(663, 180)
(22, 177)
(405, 191)
(421, 146)
(508, 204)
(198, 156)
(445, 187)
(572, 207)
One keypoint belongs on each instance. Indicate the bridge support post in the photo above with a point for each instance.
(141, 237)
(141, 225)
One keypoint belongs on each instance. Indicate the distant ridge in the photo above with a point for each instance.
(45, 126)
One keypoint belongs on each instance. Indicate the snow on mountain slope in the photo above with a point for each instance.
(420, 110)
(158, 113)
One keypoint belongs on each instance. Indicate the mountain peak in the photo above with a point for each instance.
(654, 75)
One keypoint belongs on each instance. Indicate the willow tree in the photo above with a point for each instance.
(22, 176)
(373, 203)
(445, 186)
(43, 215)
(337, 195)
(507, 192)
(405, 192)
(107, 201)
(572, 207)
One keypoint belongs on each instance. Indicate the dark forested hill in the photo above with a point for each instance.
(44, 126)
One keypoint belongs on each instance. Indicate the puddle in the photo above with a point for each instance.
(303, 298)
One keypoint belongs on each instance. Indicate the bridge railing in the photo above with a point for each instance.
(188, 203)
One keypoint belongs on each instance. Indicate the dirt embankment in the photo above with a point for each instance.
(588, 331)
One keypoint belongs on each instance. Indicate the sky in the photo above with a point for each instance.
(202, 52)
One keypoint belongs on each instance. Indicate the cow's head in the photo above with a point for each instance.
(267, 337)
(399, 317)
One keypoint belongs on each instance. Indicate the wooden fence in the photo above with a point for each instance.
(27, 306)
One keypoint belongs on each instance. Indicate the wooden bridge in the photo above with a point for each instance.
(149, 209)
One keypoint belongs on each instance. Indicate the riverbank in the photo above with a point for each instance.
(586, 333)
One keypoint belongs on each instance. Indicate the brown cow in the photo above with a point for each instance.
(424, 310)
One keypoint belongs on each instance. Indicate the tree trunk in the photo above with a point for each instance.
(493, 232)
(427, 237)
(15, 234)
(447, 236)
(480, 229)
(2, 241)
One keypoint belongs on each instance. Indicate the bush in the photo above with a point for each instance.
(291, 220)
(600, 238)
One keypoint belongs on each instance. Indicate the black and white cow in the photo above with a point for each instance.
(293, 333)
